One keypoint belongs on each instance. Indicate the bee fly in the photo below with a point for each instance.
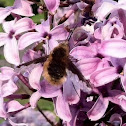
(54, 70)
(56, 65)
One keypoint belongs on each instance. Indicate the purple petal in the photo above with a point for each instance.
(34, 77)
(122, 17)
(123, 79)
(34, 99)
(118, 62)
(2, 109)
(14, 106)
(85, 88)
(49, 91)
(17, 124)
(71, 91)
(123, 102)
(23, 25)
(103, 76)
(3, 38)
(9, 88)
(122, 4)
(115, 29)
(103, 64)
(111, 47)
(98, 33)
(74, 111)
(81, 5)
(81, 52)
(8, 26)
(43, 27)
(6, 73)
(116, 119)
(62, 108)
(47, 94)
(102, 124)
(52, 5)
(51, 45)
(28, 39)
(24, 10)
(114, 94)
(102, 12)
(59, 32)
(30, 55)
(4, 12)
(88, 65)
(98, 109)
(17, 4)
(11, 52)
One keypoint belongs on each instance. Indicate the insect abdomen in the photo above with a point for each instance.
(57, 69)
(56, 64)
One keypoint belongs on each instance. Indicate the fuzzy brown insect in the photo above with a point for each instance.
(55, 66)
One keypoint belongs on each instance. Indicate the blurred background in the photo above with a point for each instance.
(33, 117)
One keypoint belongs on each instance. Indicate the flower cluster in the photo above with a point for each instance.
(93, 90)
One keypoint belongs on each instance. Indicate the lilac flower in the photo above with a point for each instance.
(98, 52)
(123, 79)
(100, 10)
(79, 111)
(99, 108)
(113, 26)
(81, 5)
(10, 107)
(88, 62)
(116, 119)
(53, 5)
(8, 39)
(81, 52)
(103, 76)
(43, 33)
(80, 36)
(7, 85)
(32, 117)
(88, 65)
(63, 99)
(20, 7)
(60, 13)
(48, 91)
(72, 94)
(112, 46)
(43, 89)
(6, 73)
(30, 55)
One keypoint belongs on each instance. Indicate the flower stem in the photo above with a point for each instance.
(48, 120)
(18, 96)
(25, 81)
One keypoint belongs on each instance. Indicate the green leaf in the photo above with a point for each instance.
(1, 120)
(37, 18)
(6, 3)
(45, 105)
(2, 57)
(1, 29)
(42, 103)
